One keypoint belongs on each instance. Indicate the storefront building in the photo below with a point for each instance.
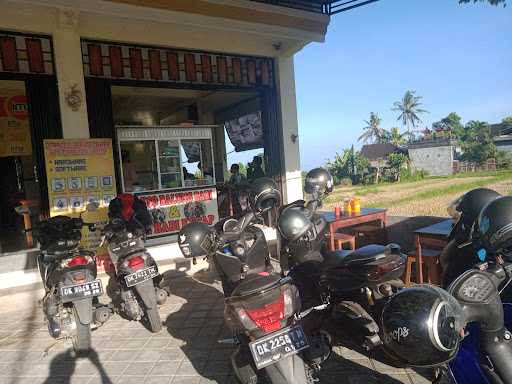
(162, 80)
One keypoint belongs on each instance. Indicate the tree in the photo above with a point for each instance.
(450, 124)
(396, 162)
(492, 2)
(393, 136)
(507, 120)
(350, 164)
(409, 108)
(476, 143)
(373, 132)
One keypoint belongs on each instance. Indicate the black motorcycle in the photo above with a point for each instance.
(353, 284)
(135, 278)
(262, 308)
(71, 288)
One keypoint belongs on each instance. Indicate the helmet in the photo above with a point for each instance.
(494, 226)
(196, 240)
(264, 194)
(294, 222)
(467, 207)
(318, 180)
(421, 326)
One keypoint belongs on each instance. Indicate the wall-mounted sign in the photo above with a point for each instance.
(171, 211)
(246, 132)
(15, 138)
(80, 171)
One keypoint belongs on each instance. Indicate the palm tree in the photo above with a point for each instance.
(395, 137)
(409, 108)
(373, 132)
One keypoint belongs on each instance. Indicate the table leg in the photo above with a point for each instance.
(419, 268)
(332, 231)
(384, 220)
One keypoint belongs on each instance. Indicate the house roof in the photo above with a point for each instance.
(377, 151)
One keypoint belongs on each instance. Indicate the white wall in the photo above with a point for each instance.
(292, 183)
(437, 161)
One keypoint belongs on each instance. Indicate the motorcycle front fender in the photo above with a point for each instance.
(147, 294)
(84, 310)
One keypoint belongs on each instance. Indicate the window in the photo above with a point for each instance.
(165, 158)
(138, 163)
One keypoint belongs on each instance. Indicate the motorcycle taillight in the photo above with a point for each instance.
(77, 260)
(268, 311)
(268, 317)
(135, 263)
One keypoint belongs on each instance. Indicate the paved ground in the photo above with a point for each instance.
(185, 351)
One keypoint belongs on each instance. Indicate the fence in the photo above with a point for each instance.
(466, 166)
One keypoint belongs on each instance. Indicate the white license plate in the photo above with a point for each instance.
(81, 291)
(141, 276)
(278, 345)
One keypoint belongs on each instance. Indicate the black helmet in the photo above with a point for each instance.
(196, 240)
(294, 222)
(421, 326)
(264, 194)
(318, 180)
(467, 207)
(494, 226)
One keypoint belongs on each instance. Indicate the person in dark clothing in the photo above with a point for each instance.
(255, 169)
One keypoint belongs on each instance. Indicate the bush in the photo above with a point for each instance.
(407, 174)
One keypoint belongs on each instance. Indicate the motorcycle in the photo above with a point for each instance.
(353, 284)
(69, 276)
(135, 276)
(262, 309)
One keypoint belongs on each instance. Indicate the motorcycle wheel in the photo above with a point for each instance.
(154, 321)
(82, 339)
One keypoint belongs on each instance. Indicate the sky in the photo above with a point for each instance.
(457, 57)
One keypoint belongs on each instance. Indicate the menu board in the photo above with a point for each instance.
(15, 138)
(80, 171)
(246, 132)
(171, 211)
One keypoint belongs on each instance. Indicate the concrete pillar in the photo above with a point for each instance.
(292, 178)
(70, 75)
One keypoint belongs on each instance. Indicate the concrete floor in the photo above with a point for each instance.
(185, 351)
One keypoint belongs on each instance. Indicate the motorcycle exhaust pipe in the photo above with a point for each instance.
(54, 327)
(102, 314)
(161, 296)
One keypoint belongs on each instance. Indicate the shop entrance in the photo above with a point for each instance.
(19, 190)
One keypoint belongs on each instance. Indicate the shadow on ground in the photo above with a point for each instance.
(199, 324)
(64, 366)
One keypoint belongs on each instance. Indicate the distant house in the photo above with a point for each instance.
(434, 156)
(502, 136)
(378, 154)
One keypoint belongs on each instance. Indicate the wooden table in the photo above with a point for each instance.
(435, 235)
(366, 215)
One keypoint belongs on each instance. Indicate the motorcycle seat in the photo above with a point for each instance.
(255, 282)
(363, 255)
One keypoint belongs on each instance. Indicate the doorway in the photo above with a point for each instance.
(19, 190)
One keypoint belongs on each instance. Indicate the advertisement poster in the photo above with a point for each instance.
(246, 132)
(80, 171)
(173, 210)
(15, 138)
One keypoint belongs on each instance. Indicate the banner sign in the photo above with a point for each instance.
(246, 132)
(15, 138)
(171, 211)
(80, 171)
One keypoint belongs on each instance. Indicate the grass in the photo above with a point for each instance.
(455, 188)
(428, 197)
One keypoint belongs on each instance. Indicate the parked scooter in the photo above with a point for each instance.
(69, 276)
(483, 352)
(262, 308)
(136, 277)
(353, 284)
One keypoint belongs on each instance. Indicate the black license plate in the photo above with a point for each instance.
(81, 291)
(278, 345)
(140, 276)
